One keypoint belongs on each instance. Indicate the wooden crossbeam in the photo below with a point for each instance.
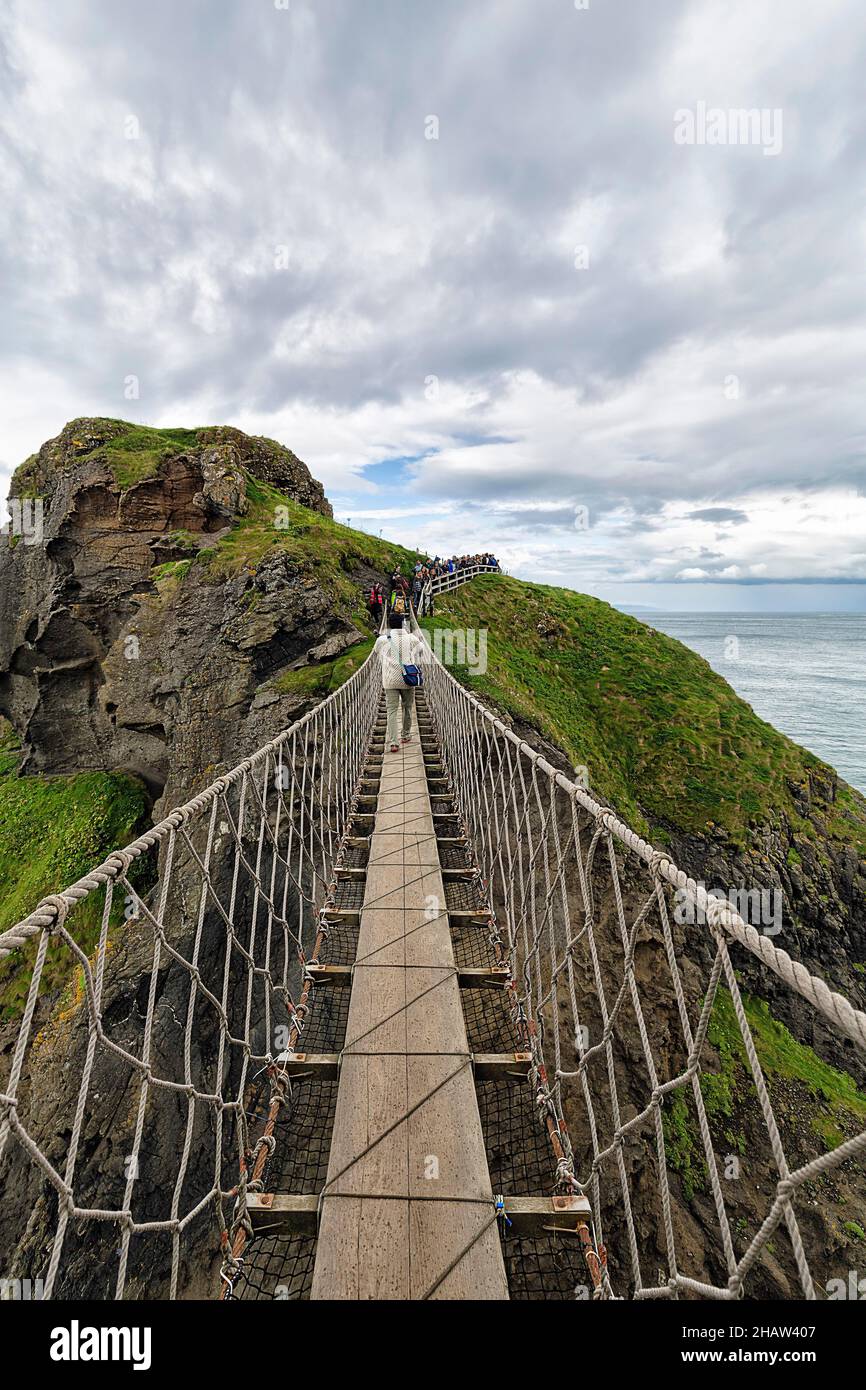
(487, 1066)
(483, 977)
(501, 1066)
(470, 977)
(324, 1066)
(535, 1216)
(330, 974)
(342, 917)
(476, 918)
(283, 1213)
(296, 1214)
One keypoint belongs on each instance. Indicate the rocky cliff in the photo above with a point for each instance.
(189, 596)
(106, 661)
(179, 597)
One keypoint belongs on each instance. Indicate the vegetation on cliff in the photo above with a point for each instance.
(804, 1091)
(664, 738)
(132, 452)
(337, 556)
(52, 830)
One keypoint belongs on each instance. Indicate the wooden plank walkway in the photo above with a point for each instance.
(407, 1210)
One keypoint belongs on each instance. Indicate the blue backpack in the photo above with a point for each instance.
(412, 675)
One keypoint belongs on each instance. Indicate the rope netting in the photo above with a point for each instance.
(616, 1004)
(132, 1180)
(138, 1114)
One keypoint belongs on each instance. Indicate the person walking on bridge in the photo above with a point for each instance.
(398, 649)
(376, 604)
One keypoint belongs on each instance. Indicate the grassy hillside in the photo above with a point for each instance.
(336, 556)
(665, 739)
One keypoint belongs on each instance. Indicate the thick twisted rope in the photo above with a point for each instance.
(526, 822)
(245, 876)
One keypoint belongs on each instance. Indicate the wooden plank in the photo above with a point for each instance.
(408, 1191)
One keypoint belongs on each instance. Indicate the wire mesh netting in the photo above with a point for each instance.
(191, 984)
(624, 989)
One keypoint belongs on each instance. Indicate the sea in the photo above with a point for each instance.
(805, 673)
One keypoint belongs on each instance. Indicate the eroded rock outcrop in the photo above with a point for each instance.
(129, 642)
(105, 661)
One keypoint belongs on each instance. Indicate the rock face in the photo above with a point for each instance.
(107, 663)
(116, 653)
(127, 644)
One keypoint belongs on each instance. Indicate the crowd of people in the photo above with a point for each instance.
(438, 567)
(415, 590)
(400, 653)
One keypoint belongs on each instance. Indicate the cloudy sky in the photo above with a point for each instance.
(507, 273)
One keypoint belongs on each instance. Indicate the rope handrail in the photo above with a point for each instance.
(230, 907)
(562, 873)
(226, 904)
(836, 1008)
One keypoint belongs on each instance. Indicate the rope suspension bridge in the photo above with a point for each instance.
(384, 1032)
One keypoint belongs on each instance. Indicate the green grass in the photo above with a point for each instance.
(133, 454)
(138, 452)
(328, 552)
(320, 680)
(665, 739)
(835, 1095)
(172, 569)
(52, 830)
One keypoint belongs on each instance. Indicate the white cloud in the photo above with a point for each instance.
(710, 355)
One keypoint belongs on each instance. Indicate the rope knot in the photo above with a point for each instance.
(61, 908)
(719, 916)
(657, 860)
(121, 858)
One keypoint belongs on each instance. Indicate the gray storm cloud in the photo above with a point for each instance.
(238, 205)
